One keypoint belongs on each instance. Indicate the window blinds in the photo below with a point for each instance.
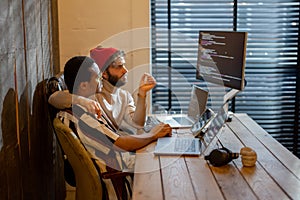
(270, 96)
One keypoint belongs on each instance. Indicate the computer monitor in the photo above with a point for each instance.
(221, 58)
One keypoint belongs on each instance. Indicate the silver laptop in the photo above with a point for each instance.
(192, 145)
(197, 107)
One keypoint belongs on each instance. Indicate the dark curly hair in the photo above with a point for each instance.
(76, 71)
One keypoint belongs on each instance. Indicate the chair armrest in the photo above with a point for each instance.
(116, 174)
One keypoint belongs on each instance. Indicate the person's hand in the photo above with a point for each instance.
(147, 83)
(91, 105)
(161, 130)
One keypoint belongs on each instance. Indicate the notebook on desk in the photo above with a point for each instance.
(197, 107)
(192, 145)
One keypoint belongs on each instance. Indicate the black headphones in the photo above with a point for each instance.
(220, 157)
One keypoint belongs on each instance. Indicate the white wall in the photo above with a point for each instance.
(122, 24)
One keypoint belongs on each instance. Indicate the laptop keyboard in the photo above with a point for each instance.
(185, 145)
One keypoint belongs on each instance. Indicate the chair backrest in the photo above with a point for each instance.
(88, 184)
(55, 83)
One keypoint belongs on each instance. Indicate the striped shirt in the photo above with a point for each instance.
(98, 137)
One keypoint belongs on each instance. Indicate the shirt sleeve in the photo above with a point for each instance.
(94, 133)
(61, 99)
(130, 110)
(97, 127)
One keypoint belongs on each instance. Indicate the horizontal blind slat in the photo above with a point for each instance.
(271, 63)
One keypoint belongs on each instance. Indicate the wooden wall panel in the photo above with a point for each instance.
(30, 160)
(11, 56)
(11, 160)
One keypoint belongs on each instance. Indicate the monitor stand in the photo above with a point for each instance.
(228, 96)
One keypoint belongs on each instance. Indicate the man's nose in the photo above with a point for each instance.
(125, 70)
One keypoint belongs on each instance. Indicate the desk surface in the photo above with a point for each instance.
(276, 174)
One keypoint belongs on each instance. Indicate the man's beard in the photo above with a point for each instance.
(116, 81)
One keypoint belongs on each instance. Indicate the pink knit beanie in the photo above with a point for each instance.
(105, 56)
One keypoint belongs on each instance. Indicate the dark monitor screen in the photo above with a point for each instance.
(221, 58)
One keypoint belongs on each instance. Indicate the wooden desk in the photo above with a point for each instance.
(275, 176)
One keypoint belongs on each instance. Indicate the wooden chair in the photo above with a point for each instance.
(88, 184)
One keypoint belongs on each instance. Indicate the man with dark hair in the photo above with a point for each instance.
(85, 67)
(117, 103)
(83, 78)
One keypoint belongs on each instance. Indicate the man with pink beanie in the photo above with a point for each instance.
(117, 103)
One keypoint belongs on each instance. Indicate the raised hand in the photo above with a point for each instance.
(147, 83)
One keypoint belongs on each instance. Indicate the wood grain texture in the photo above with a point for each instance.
(193, 178)
(147, 174)
(176, 184)
(30, 162)
(256, 177)
(204, 183)
(268, 150)
(282, 153)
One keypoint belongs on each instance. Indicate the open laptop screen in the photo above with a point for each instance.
(198, 102)
(197, 107)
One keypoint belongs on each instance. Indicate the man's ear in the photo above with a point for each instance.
(83, 85)
(105, 75)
